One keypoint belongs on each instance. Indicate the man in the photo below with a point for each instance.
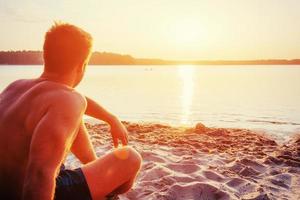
(41, 121)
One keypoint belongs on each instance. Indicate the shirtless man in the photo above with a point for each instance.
(41, 121)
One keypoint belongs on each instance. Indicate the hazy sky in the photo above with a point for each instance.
(172, 29)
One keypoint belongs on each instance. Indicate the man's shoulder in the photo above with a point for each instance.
(71, 97)
(67, 99)
(14, 85)
(49, 93)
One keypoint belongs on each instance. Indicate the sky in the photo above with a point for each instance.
(169, 29)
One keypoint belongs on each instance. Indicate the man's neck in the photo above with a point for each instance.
(64, 80)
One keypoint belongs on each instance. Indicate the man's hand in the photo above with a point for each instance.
(118, 132)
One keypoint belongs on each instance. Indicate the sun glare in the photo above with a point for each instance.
(186, 33)
(186, 74)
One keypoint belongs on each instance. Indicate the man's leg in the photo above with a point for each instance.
(114, 172)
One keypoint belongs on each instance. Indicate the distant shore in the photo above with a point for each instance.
(206, 163)
(107, 58)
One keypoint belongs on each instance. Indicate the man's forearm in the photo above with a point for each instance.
(82, 147)
(117, 129)
(95, 110)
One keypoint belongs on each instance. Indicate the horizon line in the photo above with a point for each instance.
(172, 60)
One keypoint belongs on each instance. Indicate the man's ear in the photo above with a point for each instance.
(81, 67)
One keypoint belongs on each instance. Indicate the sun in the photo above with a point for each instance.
(186, 33)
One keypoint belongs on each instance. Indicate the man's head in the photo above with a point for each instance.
(66, 50)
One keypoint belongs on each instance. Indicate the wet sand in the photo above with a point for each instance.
(206, 163)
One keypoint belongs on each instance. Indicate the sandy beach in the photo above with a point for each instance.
(206, 163)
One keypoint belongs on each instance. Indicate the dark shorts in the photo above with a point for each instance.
(71, 185)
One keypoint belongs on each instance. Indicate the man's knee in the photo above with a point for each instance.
(130, 156)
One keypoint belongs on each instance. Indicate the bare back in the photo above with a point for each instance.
(22, 105)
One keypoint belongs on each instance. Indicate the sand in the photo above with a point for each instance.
(206, 163)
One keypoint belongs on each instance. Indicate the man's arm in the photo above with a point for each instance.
(118, 130)
(95, 110)
(50, 140)
(82, 147)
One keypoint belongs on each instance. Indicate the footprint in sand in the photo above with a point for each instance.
(149, 156)
(253, 164)
(184, 178)
(248, 171)
(235, 182)
(199, 191)
(213, 176)
(282, 180)
(156, 173)
(184, 168)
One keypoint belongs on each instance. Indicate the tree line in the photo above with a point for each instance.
(36, 58)
(106, 58)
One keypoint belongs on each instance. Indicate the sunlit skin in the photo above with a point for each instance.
(41, 121)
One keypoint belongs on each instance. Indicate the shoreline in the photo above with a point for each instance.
(267, 132)
(206, 163)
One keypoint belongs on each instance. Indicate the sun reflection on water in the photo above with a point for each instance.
(186, 74)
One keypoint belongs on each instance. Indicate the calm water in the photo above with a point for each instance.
(255, 97)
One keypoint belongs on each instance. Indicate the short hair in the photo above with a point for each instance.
(65, 46)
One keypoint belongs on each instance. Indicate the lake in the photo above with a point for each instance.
(264, 98)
